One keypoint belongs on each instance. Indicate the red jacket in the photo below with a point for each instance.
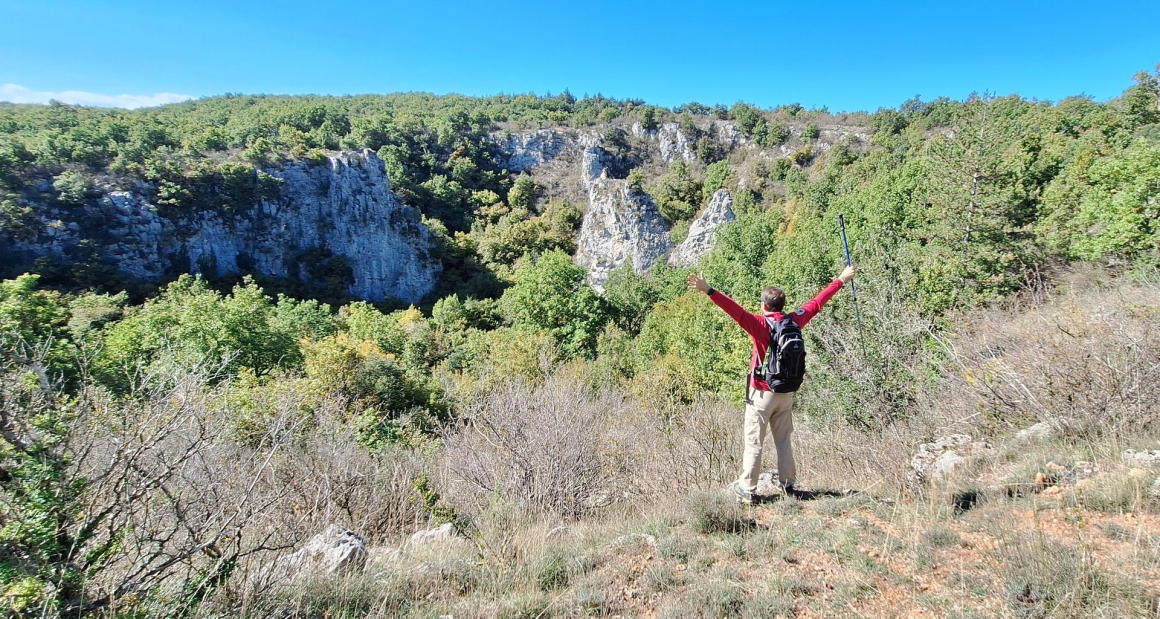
(758, 329)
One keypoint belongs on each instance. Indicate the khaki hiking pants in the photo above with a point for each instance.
(769, 413)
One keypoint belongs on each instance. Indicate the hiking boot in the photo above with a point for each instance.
(788, 488)
(743, 496)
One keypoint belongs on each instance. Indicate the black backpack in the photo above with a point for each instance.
(784, 365)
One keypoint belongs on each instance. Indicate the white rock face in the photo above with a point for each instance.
(533, 149)
(671, 141)
(343, 207)
(619, 225)
(138, 244)
(703, 230)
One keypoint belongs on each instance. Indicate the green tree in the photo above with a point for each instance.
(630, 296)
(523, 193)
(810, 132)
(195, 326)
(550, 294)
(678, 193)
(975, 234)
(704, 339)
(716, 175)
(33, 326)
(73, 187)
(1106, 205)
(1142, 101)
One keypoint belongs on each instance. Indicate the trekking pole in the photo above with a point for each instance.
(853, 289)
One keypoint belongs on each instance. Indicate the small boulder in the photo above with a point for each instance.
(336, 550)
(1083, 469)
(1148, 457)
(1042, 431)
(938, 459)
(442, 533)
(945, 464)
(559, 532)
(768, 484)
(635, 539)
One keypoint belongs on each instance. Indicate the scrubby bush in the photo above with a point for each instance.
(539, 447)
(810, 132)
(714, 512)
(1026, 370)
(198, 327)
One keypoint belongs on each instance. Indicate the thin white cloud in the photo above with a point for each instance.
(15, 93)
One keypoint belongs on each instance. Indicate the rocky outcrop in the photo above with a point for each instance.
(1148, 457)
(938, 459)
(345, 207)
(342, 206)
(620, 225)
(533, 149)
(337, 550)
(703, 230)
(672, 143)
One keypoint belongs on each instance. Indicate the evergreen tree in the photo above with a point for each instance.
(974, 241)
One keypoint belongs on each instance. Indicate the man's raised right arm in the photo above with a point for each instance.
(752, 324)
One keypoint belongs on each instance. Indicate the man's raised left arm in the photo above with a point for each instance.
(813, 306)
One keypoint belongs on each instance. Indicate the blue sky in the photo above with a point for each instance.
(844, 55)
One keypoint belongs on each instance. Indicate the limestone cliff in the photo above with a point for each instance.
(342, 206)
(703, 230)
(619, 225)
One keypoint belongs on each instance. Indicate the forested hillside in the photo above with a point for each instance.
(196, 392)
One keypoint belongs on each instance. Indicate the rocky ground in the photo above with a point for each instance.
(1035, 527)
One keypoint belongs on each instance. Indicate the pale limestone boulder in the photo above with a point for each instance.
(1147, 458)
(440, 534)
(337, 550)
(940, 458)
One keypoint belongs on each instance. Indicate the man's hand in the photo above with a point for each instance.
(697, 282)
(847, 275)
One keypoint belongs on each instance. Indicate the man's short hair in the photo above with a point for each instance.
(773, 298)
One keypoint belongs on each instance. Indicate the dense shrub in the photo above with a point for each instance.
(551, 294)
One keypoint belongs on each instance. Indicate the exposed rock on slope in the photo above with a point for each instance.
(345, 206)
(535, 148)
(703, 230)
(619, 224)
(341, 207)
(671, 141)
(336, 550)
